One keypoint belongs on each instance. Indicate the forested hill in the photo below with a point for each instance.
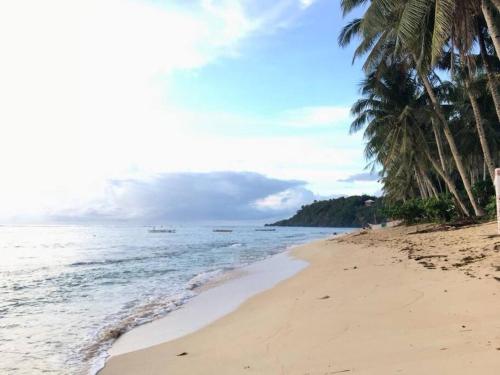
(339, 212)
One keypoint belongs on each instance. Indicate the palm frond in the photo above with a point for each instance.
(348, 5)
(349, 31)
(443, 25)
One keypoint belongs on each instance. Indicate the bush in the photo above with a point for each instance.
(491, 207)
(410, 211)
(483, 191)
(441, 208)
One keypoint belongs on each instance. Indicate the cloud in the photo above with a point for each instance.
(181, 197)
(85, 100)
(364, 177)
(306, 3)
(316, 116)
(83, 91)
(302, 118)
(286, 200)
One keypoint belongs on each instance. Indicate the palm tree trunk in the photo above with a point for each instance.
(425, 182)
(449, 183)
(480, 131)
(451, 142)
(439, 143)
(496, 3)
(492, 81)
(493, 28)
(421, 189)
(431, 189)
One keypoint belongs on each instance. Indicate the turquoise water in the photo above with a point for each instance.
(67, 292)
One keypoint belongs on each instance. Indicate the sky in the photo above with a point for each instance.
(174, 110)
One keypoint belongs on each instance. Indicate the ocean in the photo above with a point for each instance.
(67, 292)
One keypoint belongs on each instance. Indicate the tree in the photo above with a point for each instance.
(388, 30)
(395, 116)
(492, 21)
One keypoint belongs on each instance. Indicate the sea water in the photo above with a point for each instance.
(68, 292)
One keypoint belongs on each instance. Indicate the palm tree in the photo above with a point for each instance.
(452, 22)
(456, 22)
(384, 31)
(480, 128)
(492, 21)
(496, 3)
(470, 105)
(395, 115)
(488, 67)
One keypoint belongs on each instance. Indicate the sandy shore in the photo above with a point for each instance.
(387, 302)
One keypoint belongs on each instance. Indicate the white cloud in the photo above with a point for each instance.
(306, 3)
(304, 117)
(83, 102)
(317, 116)
(287, 200)
(361, 177)
(193, 197)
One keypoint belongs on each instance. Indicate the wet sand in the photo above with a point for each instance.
(393, 301)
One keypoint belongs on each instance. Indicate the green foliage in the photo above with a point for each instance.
(441, 208)
(410, 211)
(435, 209)
(427, 136)
(483, 191)
(491, 207)
(340, 212)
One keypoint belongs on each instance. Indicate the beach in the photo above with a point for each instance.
(406, 300)
(67, 292)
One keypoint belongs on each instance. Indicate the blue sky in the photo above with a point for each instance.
(298, 66)
(101, 91)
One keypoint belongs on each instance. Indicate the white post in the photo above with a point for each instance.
(497, 193)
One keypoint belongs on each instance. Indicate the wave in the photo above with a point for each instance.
(202, 278)
(96, 352)
(230, 245)
(226, 245)
(105, 262)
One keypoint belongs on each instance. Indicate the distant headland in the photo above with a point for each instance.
(351, 212)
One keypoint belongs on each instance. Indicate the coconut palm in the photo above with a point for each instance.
(488, 63)
(395, 116)
(384, 36)
(456, 24)
(491, 17)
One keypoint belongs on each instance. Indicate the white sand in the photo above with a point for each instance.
(367, 304)
(211, 304)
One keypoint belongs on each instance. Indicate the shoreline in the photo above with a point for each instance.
(370, 303)
(213, 302)
(230, 289)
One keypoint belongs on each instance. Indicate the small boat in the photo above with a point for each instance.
(161, 230)
(222, 230)
(265, 230)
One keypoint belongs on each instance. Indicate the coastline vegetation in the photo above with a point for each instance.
(429, 105)
(343, 212)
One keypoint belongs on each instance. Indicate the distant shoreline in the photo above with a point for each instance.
(355, 211)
